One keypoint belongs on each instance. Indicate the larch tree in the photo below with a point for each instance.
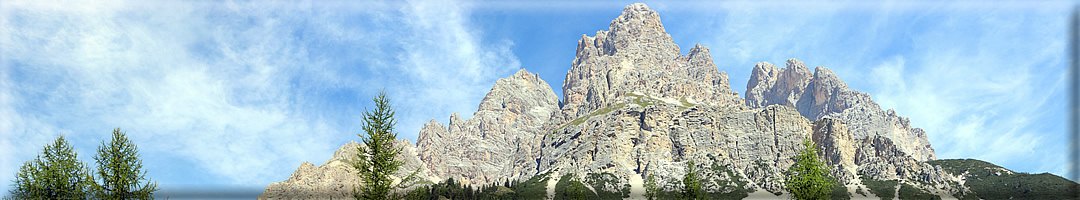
(56, 173)
(375, 160)
(652, 191)
(120, 170)
(692, 183)
(809, 177)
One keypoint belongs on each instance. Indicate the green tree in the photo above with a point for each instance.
(56, 173)
(691, 183)
(376, 160)
(652, 191)
(120, 170)
(809, 177)
(570, 187)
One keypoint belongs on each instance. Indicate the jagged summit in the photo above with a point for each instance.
(821, 94)
(637, 55)
(504, 131)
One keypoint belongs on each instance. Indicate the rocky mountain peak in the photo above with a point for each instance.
(503, 130)
(639, 24)
(637, 55)
(821, 94)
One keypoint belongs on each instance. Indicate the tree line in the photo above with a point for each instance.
(57, 173)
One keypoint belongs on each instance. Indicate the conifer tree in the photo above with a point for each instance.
(651, 189)
(808, 177)
(56, 173)
(691, 183)
(376, 160)
(120, 170)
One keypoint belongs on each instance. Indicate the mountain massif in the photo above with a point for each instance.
(634, 106)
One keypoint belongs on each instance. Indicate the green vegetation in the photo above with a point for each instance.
(734, 188)
(120, 170)
(989, 181)
(652, 191)
(691, 183)
(880, 188)
(808, 177)
(839, 192)
(450, 189)
(602, 181)
(601, 111)
(642, 100)
(908, 191)
(685, 104)
(646, 100)
(569, 187)
(534, 188)
(56, 173)
(888, 189)
(375, 161)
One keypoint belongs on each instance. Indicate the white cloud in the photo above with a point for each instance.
(244, 91)
(983, 80)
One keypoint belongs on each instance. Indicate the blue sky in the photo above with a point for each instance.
(237, 94)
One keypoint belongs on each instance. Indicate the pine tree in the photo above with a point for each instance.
(120, 170)
(808, 177)
(691, 183)
(55, 174)
(651, 189)
(376, 160)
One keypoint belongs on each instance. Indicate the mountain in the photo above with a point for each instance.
(504, 131)
(823, 95)
(634, 106)
(336, 178)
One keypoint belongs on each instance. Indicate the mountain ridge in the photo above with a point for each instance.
(633, 106)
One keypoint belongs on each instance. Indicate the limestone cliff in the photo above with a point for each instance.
(504, 131)
(823, 95)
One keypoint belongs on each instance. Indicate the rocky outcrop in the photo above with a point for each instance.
(642, 136)
(823, 95)
(336, 178)
(637, 55)
(504, 131)
(837, 146)
(658, 139)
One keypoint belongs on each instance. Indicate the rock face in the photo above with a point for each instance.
(658, 139)
(504, 131)
(336, 178)
(637, 55)
(823, 95)
(634, 106)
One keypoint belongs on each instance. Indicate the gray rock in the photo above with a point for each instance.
(504, 131)
(336, 178)
(823, 95)
(637, 55)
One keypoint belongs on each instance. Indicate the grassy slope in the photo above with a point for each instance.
(989, 181)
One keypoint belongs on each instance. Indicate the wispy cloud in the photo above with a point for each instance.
(232, 92)
(983, 78)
